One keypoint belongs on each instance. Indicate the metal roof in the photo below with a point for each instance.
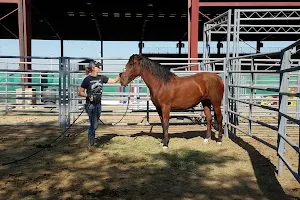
(117, 20)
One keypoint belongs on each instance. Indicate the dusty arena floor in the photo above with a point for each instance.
(133, 165)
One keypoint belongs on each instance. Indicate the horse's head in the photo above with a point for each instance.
(131, 70)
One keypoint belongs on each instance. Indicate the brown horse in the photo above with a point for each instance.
(170, 92)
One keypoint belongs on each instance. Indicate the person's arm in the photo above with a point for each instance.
(114, 80)
(81, 92)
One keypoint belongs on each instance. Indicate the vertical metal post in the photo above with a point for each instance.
(148, 105)
(148, 111)
(298, 99)
(64, 97)
(73, 92)
(226, 99)
(251, 96)
(40, 100)
(239, 66)
(62, 92)
(231, 94)
(22, 48)
(226, 77)
(101, 54)
(76, 88)
(299, 157)
(59, 91)
(194, 31)
(6, 90)
(238, 92)
(283, 108)
(209, 68)
(69, 91)
(234, 63)
(204, 42)
(139, 81)
(61, 48)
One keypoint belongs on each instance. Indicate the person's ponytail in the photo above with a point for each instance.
(88, 70)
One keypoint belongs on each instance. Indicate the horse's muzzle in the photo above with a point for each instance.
(123, 83)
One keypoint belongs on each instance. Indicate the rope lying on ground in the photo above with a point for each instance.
(49, 145)
(44, 146)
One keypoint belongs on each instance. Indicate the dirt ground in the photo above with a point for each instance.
(133, 165)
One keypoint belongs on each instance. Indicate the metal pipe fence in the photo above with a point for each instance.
(251, 91)
(288, 77)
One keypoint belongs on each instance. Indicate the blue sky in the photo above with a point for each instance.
(111, 49)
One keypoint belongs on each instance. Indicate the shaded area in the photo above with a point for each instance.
(19, 142)
(265, 171)
(186, 134)
(134, 166)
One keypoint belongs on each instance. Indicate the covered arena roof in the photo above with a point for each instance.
(117, 20)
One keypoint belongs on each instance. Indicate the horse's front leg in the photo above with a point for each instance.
(165, 125)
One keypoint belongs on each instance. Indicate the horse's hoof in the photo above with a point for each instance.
(165, 147)
(206, 141)
(219, 142)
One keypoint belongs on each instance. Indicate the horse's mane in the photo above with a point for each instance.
(161, 72)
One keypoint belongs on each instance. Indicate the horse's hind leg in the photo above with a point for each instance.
(206, 106)
(164, 115)
(159, 111)
(165, 124)
(218, 113)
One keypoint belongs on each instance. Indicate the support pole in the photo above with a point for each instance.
(101, 54)
(179, 46)
(24, 19)
(189, 28)
(27, 37)
(219, 46)
(141, 45)
(259, 44)
(61, 48)
(193, 31)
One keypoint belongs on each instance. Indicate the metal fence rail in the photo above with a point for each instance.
(233, 101)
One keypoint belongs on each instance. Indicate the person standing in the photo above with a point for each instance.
(91, 88)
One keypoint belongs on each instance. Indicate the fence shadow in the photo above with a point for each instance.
(264, 171)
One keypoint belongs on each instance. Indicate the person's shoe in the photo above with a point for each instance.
(93, 149)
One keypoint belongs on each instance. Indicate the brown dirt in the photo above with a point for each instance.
(132, 164)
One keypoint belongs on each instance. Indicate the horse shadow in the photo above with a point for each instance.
(100, 141)
(185, 134)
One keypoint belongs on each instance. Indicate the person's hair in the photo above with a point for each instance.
(88, 70)
(92, 64)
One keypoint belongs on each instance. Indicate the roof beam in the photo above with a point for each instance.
(248, 4)
(8, 14)
(93, 14)
(46, 21)
(145, 21)
(9, 1)
(7, 29)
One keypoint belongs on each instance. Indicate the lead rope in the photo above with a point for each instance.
(48, 145)
(44, 146)
(128, 100)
